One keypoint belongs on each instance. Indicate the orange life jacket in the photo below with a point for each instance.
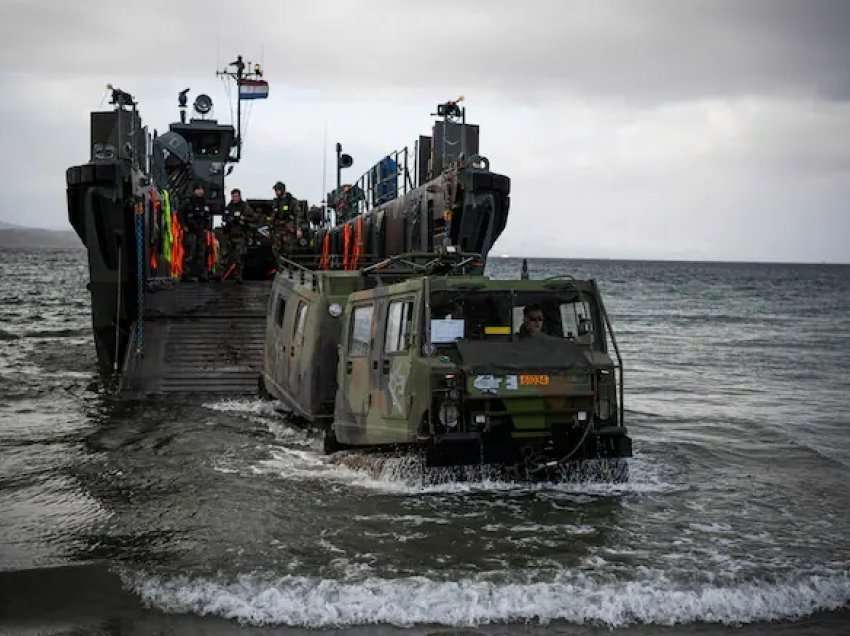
(177, 251)
(346, 246)
(357, 251)
(325, 261)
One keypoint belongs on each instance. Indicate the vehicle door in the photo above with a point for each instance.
(296, 346)
(396, 355)
(278, 344)
(356, 367)
(274, 318)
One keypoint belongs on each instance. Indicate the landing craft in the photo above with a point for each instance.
(157, 333)
(424, 352)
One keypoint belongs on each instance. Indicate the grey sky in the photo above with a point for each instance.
(630, 129)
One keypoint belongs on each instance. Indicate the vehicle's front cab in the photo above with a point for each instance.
(444, 363)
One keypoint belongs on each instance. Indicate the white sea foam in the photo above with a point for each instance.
(309, 602)
(409, 520)
(247, 407)
(405, 475)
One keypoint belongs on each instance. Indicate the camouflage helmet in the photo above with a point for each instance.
(280, 185)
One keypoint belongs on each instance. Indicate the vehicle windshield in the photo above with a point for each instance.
(464, 315)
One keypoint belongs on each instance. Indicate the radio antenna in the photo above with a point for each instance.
(325, 172)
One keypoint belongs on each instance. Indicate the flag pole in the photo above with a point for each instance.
(239, 68)
(253, 75)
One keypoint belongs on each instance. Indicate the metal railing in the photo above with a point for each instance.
(385, 180)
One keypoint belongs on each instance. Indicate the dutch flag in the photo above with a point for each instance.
(253, 89)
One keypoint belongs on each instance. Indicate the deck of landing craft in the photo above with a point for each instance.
(200, 338)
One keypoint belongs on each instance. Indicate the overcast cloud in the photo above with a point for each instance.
(704, 130)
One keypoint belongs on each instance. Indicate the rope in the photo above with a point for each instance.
(569, 455)
(140, 277)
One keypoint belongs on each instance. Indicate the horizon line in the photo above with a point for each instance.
(662, 259)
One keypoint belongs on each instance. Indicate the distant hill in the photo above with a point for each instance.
(16, 236)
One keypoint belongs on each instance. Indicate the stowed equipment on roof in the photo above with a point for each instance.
(444, 262)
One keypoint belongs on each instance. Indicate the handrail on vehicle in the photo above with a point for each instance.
(621, 408)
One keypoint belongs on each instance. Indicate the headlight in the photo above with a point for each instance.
(449, 415)
(335, 310)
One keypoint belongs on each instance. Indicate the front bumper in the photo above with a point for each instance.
(461, 449)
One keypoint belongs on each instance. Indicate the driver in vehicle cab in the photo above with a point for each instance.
(532, 322)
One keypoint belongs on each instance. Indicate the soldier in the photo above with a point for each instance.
(237, 221)
(532, 321)
(284, 223)
(196, 221)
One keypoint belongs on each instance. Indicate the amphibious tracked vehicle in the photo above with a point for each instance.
(424, 351)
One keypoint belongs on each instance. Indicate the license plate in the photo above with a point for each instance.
(534, 380)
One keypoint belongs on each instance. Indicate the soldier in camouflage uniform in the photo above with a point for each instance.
(237, 220)
(284, 223)
(196, 220)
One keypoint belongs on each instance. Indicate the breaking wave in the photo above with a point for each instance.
(310, 602)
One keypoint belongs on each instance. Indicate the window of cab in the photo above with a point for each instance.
(206, 144)
(360, 331)
(576, 319)
(399, 325)
(300, 318)
(499, 315)
(279, 311)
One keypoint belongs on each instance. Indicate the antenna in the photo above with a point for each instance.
(324, 172)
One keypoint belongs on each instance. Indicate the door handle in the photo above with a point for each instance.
(386, 367)
(374, 365)
(348, 367)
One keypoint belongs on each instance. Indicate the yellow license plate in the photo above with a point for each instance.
(534, 380)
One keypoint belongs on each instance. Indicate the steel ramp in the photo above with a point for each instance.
(199, 339)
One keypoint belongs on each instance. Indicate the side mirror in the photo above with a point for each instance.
(229, 170)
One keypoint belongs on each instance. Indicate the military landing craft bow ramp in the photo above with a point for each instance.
(200, 339)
